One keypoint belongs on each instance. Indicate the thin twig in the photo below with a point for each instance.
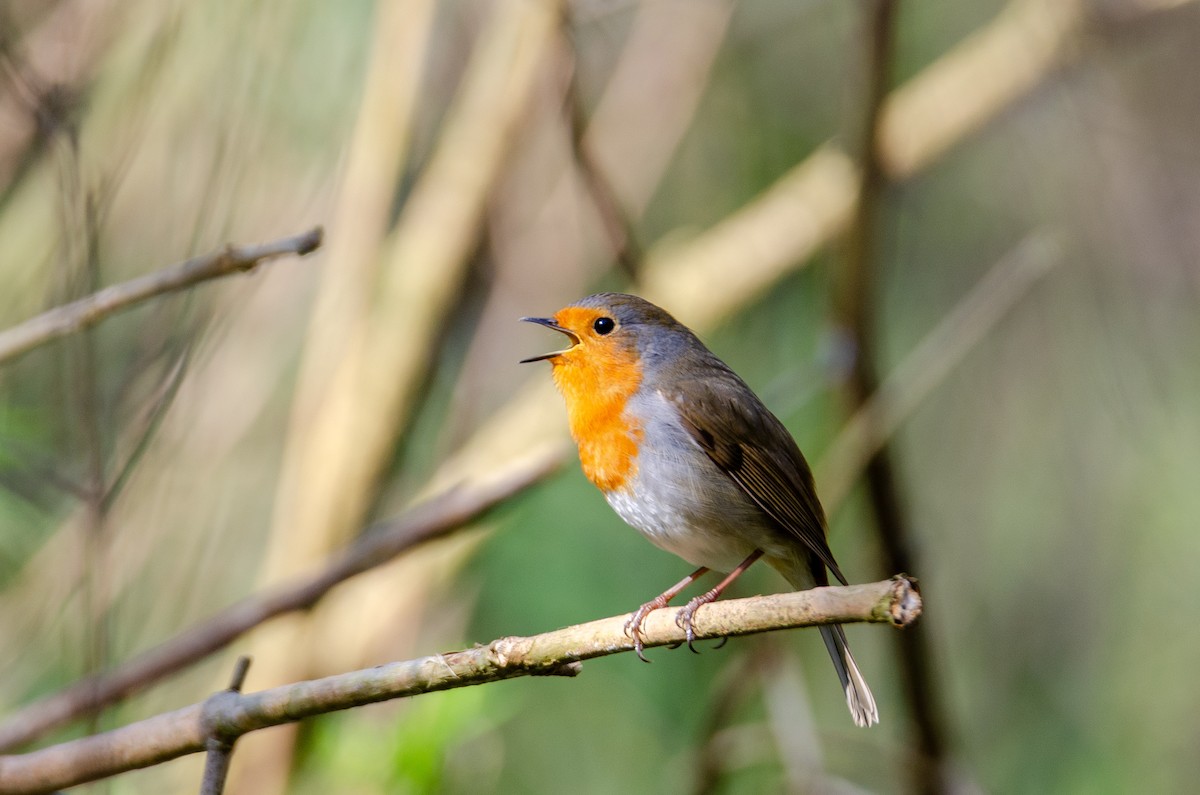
(228, 715)
(90, 310)
(433, 519)
(220, 749)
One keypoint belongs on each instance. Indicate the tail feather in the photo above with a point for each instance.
(806, 572)
(858, 695)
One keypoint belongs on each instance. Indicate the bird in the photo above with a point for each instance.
(686, 453)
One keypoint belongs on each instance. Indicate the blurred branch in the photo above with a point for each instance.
(342, 442)
(433, 519)
(966, 88)
(652, 94)
(83, 401)
(227, 715)
(90, 310)
(41, 74)
(928, 364)
(614, 219)
(855, 309)
(921, 120)
(340, 446)
(376, 162)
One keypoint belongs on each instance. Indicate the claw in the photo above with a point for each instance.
(638, 646)
(633, 628)
(683, 620)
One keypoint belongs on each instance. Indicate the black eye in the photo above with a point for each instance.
(604, 325)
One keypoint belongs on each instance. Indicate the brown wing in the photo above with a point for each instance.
(754, 449)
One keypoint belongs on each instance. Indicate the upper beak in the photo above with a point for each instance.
(548, 322)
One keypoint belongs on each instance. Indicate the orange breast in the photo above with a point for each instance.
(597, 385)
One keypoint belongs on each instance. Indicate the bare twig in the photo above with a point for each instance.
(228, 715)
(220, 749)
(430, 520)
(90, 310)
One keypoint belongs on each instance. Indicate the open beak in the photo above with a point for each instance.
(548, 322)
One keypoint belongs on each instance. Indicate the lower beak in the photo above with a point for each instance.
(548, 322)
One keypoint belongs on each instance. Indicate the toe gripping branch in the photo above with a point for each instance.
(686, 614)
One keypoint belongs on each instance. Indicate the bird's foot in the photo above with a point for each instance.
(633, 627)
(686, 616)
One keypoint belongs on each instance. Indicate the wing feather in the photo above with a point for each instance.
(752, 447)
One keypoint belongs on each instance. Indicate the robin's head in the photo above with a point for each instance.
(606, 330)
(613, 338)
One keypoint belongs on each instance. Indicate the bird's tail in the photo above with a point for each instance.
(802, 574)
(858, 695)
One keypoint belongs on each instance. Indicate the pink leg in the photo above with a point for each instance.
(633, 627)
(688, 612)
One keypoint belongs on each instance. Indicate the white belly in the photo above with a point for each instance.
(686, 505)
(679, 534)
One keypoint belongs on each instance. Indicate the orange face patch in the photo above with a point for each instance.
(596, 377)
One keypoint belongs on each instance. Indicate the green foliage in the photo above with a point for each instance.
(442, 742)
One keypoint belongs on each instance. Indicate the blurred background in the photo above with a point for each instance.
(1025, 255)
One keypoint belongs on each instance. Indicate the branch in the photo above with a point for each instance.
(216, 764)
(227, 715)
(430, 520)
(90, 310)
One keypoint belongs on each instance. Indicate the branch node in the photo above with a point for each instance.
(906, 603)
(219, 709)
(240, 668)
(508, 652)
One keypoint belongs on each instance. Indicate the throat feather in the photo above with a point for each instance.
(607, 437)
(608, 447)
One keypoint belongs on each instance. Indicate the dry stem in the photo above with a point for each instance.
(227, 715)
(91, 309)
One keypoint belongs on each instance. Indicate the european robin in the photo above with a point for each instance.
(688, 455)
